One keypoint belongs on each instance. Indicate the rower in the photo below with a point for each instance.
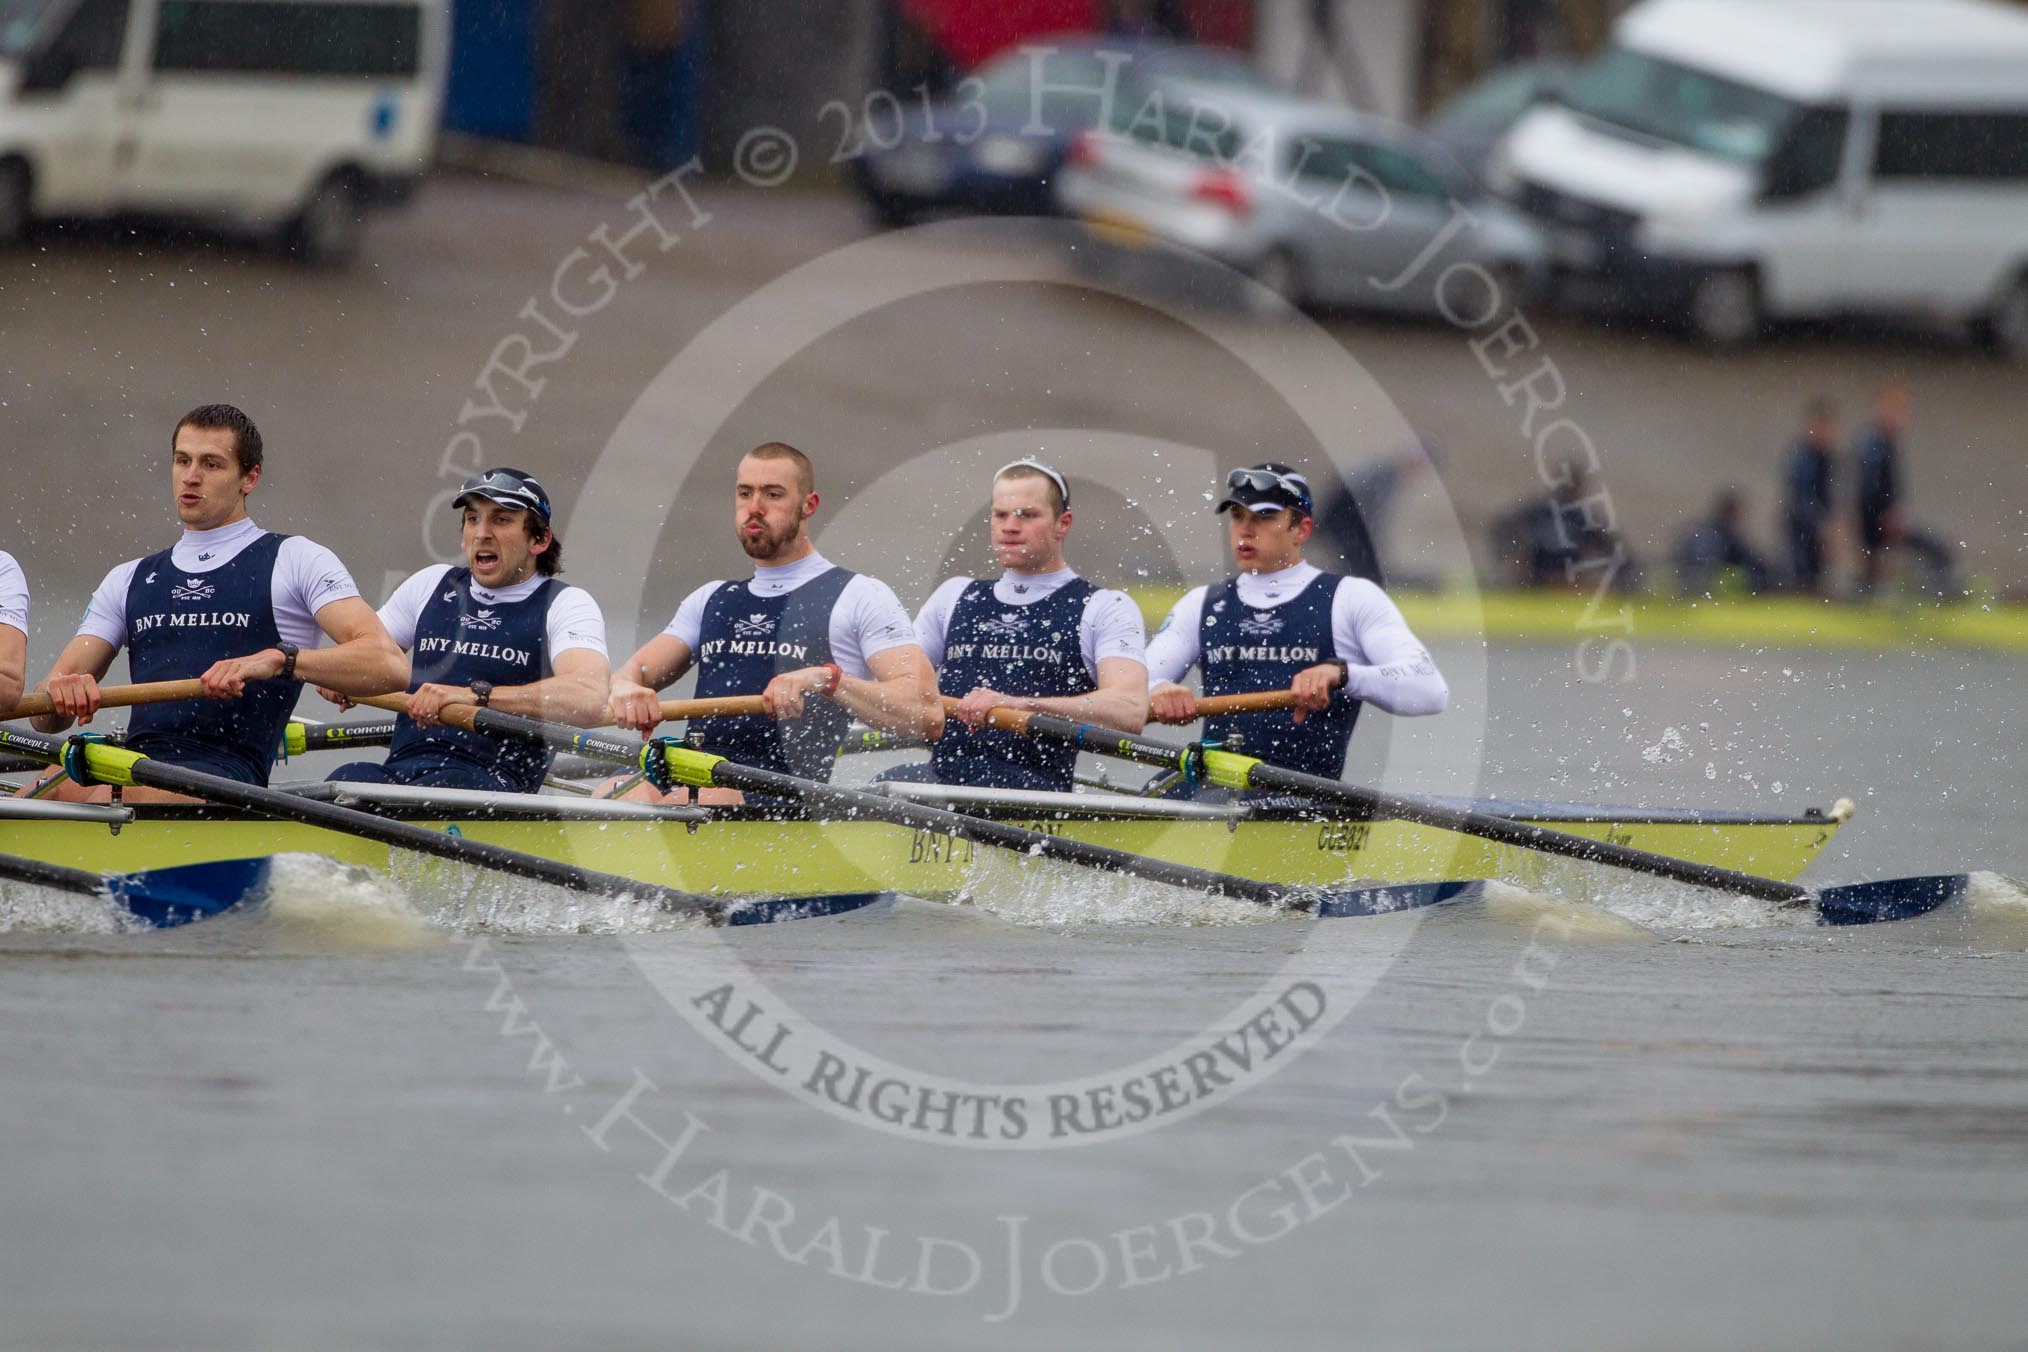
(13, 630)
(1040, 638)
(502, 632)
(1283, 624)
(234, 606)
(800, 627)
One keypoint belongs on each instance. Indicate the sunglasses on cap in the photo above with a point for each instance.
(1029, 462)
(1246, 488)
(509, 488)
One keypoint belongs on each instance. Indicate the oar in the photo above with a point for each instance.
(113, 697)
(1849, 904)
(859, 740)
(1230, 770)
(727, 706)
(160, 896)
(1856, 904)
(1253, 702)
(300, 738)
(698, 769)
(90, 761)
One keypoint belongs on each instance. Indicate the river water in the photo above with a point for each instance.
(1606, 1114)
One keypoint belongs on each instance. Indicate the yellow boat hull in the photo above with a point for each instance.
(756, 857)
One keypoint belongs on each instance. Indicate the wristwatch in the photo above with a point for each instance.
(288, 652)
(482, 691)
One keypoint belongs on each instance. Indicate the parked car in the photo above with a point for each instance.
(995, 143)
(1320, 204)
(1472, 121)
(285, 118)
(1735, 161)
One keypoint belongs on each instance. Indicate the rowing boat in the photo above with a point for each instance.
(791, 864)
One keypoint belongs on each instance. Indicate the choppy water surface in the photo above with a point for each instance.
(382, 1114)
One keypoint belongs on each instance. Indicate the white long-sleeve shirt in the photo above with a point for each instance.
(13, 593)
(1387, 665)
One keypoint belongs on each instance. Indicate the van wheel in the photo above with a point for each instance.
(13, 200)
(328, 229)
(2005, 326)
(1725, 308)
(1282, 274)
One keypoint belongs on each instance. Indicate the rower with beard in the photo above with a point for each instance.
(502, 632)
(1283, 624)
(1039, 638)
(800, 628)
(236, 607)
(13, 630)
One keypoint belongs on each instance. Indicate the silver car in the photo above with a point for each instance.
(1322, 205)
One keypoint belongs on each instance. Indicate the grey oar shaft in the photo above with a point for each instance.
(855, 803)
(63, 879)
(408, 836)
(852, 803)
(403, 835)
(1423, 812)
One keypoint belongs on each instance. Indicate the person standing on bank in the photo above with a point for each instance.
(1039, 639)
(1882, 521)
(819, 643)
(236, 607)
(1807, 506)
(1283, 624)
(502, 633)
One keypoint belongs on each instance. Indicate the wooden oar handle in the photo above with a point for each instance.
(460, 715)
(1003, 718)
(114, 697)
(1260, 701)
(730, 706)
(457, 715)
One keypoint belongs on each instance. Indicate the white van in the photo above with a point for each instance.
(288, 117)
(1733, 161)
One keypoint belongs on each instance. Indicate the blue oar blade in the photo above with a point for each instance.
(1361, 901)
(1888, 899)
(176, 896)
(770, 910)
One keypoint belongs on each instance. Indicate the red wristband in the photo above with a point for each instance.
(835, 677)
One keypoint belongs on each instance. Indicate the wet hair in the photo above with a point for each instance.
(246, 438)
(1056, 502)
(550, 561)
(806, 473)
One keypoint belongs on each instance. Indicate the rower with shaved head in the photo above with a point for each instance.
(236, 607)
(820, 644)
(1038, 638)
(1283, 624)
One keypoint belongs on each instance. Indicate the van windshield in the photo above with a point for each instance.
(19, 22)
(1680, 105)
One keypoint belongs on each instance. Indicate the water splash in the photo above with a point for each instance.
(1997, 896)
(1579, 921)
(466, 900)
(26, 909)
(319, 903)
(1048, 893)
